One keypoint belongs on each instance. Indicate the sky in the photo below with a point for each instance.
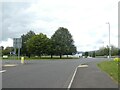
(85, 19)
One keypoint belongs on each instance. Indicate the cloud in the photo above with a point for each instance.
(7, 43)
(85, 19)
(14, 21)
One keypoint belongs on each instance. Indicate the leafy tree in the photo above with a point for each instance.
(51, 48)
(63, 42)
(93, 55)
(119, 53)
(114, 51)
(37, 45)
(7, 50)
(1, 50)
(104, 51)
(24, 40)
(71, 50)
(86, 54)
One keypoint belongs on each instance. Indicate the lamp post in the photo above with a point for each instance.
(109, 40)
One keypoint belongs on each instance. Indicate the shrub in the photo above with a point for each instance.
(117, 59)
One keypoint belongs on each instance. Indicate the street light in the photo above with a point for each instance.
(109, 41)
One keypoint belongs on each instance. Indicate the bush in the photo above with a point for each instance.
(117, 59)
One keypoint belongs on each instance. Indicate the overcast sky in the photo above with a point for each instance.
(85, 19)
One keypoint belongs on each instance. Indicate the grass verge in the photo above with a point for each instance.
(112, 68)
(41, 58)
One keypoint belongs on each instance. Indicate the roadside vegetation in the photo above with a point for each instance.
(112, 68)
(40, 58)
(103, 51)
(59, 44)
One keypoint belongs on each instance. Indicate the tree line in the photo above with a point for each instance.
(103, 51)
(60, 43)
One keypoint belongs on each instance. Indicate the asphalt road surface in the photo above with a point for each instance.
(41, 73)
(92, 77)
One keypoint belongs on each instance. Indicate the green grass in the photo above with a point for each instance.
(112, 68)
(49, 58)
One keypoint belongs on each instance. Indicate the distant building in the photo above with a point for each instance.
(78, 54)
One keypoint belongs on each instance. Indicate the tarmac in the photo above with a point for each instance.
(92, 77)
(56, 74)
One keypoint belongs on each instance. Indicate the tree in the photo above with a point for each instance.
(7, 51)
(37, 45)
(71, 50)
(50, 48)
(86, 54)
(114, 51)
(104, 51)
(119, 53)
(93, 54)
(1, 50)
(26, 37)
(64, 44)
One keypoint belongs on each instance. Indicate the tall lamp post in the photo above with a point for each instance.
(109, 40)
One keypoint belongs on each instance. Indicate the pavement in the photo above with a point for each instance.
(53, 74)
(92, 77)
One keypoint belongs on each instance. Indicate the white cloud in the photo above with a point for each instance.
(7, 43)
(85, 19)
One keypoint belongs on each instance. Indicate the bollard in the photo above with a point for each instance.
(22, 60)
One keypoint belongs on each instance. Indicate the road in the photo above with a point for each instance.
(42, 73)
(92, 77)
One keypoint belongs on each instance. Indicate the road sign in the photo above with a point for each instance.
(17, 42)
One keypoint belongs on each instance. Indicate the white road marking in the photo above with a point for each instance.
(83, 66)
(2, 71)
(69, 86)
(72, 78)
(9, 65)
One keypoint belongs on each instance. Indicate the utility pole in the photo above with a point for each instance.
(109, 40)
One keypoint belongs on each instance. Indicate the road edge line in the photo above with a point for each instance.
(69, 86)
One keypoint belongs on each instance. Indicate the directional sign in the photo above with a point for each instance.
(17, 42)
